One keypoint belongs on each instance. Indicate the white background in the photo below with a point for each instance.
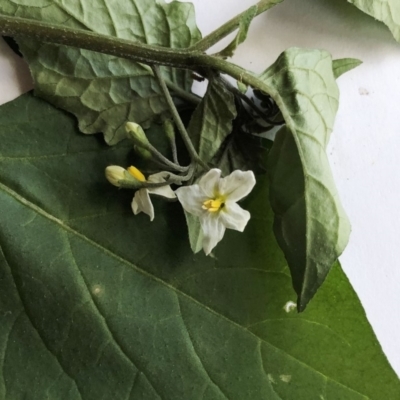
(365, 146)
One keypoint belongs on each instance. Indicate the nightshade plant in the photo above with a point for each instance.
(99, 303)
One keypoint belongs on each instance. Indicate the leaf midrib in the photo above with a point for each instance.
(66, 227)
(292, 127)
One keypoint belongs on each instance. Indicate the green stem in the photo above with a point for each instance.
(140, 52)
(178, 179)
(149, 54)
(176, 117)
(163, 159)
(182, 93)
(169, 130)
(223, 31)
(178, 91)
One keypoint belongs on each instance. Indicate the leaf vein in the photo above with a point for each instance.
(119, 346)
(195, 351)
(18, 290)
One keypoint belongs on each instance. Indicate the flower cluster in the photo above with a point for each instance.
(213, 199)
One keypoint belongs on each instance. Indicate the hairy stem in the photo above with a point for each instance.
(169, 130)
(163, 159)
(141, 52)
(182, 93)
(177, 90)
(191, 59)
(176, 117)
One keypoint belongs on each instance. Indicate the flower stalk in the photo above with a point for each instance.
(136, 133)
(177, 119)
(169, 130)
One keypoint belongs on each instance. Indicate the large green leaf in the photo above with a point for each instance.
(105, 91)
(98, 303)
(386, 11)
(310, 223)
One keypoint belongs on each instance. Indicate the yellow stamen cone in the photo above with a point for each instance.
(136, 173)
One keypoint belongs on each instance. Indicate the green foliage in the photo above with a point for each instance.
(98, 303)
(310, 224)
(105, 91)
(243, 151)
(343, 65)
(387, 11)
(241, 36)
(211, 122)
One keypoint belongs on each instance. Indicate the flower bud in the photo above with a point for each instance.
(169, 129)
(141, 143)
(136, 133)
(115, 174)
(131, 178)
(145, 154)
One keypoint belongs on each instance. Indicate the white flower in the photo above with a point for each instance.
(214, 199)
(141, 201)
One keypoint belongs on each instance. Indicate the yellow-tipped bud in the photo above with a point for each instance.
(130, 178)
(115, 174)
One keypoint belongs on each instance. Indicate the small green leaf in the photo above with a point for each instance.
(211, 122)
(386, 11)
(241, 36)
(343, 65)
(104, 91)
(310, 223)
(98, 303)
(242, 87)
(244, 25)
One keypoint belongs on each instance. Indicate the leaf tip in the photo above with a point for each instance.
(343, 65)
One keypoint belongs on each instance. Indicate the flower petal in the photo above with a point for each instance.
(213, 231)
(237, 185)
(192, 199)
(233, 216)
(164, 191)
(158, 177)
(141, 203)
(209, 182)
